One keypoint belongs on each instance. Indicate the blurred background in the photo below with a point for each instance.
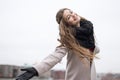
(29, 32)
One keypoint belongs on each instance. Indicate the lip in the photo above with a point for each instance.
(75, 19)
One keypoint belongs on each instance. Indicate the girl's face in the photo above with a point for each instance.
(71, 18)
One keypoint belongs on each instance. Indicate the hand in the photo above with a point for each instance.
(30, 72)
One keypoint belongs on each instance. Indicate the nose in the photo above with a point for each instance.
(73, 15)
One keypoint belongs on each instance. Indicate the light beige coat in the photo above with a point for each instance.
(75, 69)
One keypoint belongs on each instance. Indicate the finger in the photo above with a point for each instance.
(27, 69)
(23, 69)
(24, 76)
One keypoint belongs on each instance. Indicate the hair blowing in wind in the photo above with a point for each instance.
(68, 40)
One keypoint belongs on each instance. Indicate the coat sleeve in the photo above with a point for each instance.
(50, 60)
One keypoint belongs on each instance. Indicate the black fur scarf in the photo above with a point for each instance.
(84, 34)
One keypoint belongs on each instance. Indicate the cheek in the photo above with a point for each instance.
(71, 23)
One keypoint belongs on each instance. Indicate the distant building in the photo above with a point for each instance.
(8, 71)
(58, 74)
(100, 75)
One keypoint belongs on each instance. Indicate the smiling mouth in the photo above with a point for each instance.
(75, 19)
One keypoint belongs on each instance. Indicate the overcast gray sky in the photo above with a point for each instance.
(29, 32)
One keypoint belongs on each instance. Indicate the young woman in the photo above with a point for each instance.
(77, 42)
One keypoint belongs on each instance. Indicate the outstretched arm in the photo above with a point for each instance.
(43, 66)
(51, 60)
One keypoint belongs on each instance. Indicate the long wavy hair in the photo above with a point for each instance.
(67, 38)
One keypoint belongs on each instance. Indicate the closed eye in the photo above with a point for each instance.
(68, 17)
